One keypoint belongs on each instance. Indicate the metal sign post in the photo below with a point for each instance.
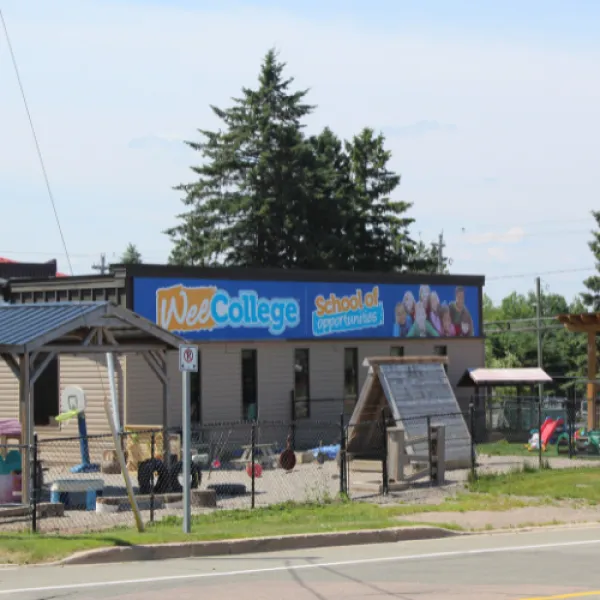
(188, 363)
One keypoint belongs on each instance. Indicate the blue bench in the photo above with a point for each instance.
(64, 490)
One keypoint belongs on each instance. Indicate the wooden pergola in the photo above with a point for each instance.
(588, 323)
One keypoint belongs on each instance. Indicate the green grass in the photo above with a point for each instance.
(504, 448)
(284, 519)
(560, 484)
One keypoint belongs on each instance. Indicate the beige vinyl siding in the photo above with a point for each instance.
(9, 393)
(365, 350)
(326, 380)
(144, 393)
(275, 380)
(91, 375)
(222, 381)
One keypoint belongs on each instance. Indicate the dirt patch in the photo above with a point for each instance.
(514, 518)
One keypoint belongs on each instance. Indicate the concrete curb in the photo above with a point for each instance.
(257, 545)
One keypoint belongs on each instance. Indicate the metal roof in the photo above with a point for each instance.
(29, 327)
(23, 323)
(503, 377)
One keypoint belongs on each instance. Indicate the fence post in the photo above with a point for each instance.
(34, 483)
(342, 456)
(472, 431)
(152, 457)
(253, 461)
(293, 436)
(429, 448)
(571, 418)
(540, 433)
(384, 457)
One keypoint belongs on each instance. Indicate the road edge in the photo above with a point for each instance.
(121, 554)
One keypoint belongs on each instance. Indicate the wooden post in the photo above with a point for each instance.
(591, 388)
(26, 418)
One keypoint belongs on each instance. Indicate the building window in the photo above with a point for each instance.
(397, 351)
(301, 384)
(46, 393)
(249, 385)
(350, 379)
(196, 393)
(441, 351)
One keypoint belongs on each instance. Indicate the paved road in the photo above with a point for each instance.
(542, 564)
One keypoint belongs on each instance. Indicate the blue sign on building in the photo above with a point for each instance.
(232, 310)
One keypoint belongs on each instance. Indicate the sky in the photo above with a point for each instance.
(490, 110)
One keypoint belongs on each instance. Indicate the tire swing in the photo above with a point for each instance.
(287, 459)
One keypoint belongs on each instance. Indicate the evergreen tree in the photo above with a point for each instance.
(248, 205)
(329, 190)
(377, 227)
(267, 195)
(591, 298)
(131, 256)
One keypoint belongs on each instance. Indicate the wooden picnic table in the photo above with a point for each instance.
(262, 453)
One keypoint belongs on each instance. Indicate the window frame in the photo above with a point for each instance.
(303, 402)
(54, 393)
(245, 406)
(350, 400)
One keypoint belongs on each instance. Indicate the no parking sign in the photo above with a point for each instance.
(188, 358)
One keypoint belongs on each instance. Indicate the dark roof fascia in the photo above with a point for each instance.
(270, 274)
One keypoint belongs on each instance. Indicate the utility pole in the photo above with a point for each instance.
(441, 253)
(538, 295)
(102, 267)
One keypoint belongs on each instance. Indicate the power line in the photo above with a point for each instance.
(52, 201)
(536, 273)
(35, 139)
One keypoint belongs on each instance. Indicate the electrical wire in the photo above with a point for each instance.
(62, 236)
(45, 175)
(538, 273)
(35, 139)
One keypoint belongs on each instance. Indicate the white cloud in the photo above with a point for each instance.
(511, 236)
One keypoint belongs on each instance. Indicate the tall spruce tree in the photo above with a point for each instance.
(267, 195)
(329, 193)
(591, 298)
(377, 227)
(248, 206)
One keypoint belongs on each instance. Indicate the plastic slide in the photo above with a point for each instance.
(548, 429)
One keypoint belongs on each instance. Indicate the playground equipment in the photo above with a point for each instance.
(72, 405)
(10, 469)
(550, 432)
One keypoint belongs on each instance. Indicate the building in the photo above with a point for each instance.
(11, 269)
(274, 344)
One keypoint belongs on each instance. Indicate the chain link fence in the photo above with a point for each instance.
(80, 485)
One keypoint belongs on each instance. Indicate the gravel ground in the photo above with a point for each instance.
(317, 483)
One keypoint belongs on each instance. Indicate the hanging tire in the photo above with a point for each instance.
(146, 472)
